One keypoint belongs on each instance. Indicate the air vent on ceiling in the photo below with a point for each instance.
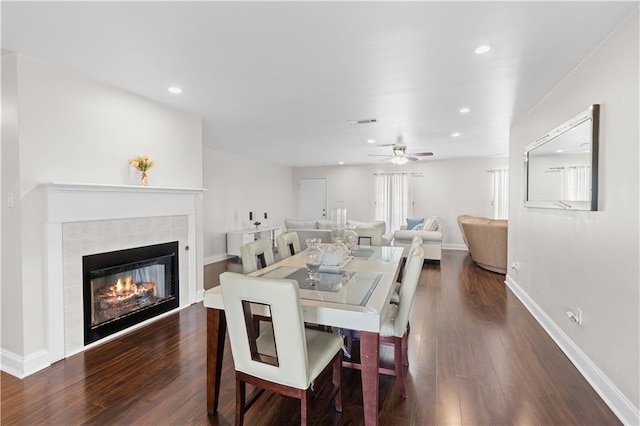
(365, 121)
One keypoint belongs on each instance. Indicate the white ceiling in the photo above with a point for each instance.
(279, 81)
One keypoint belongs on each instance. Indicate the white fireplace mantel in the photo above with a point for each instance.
(79, 202)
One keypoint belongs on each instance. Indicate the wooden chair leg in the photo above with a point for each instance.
(337, 381)
(397, 346)
(405, 349)
(240, 401)
(304, 407)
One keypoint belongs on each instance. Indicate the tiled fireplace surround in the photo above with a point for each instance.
(89, 219)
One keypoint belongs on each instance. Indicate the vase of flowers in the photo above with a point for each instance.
(142, 163)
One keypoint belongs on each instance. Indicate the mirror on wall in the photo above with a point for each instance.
(561, 167)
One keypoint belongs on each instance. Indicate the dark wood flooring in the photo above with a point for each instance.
(477, 358)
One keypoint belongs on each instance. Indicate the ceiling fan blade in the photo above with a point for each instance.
(410, 158)
(380, 155)
(421, 154)
(386, 144)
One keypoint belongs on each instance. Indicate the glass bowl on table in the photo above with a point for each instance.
(312, 258)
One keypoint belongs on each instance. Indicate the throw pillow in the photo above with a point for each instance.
(430, 224)
(411, 223)
(418, 227)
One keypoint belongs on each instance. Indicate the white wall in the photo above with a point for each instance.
(11, 240)
(589, 260)
(235, 186)
(74, 129)
(448, 188)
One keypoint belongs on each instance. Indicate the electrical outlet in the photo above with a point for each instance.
(515, 265)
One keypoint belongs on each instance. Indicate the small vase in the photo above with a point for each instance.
(144, 179)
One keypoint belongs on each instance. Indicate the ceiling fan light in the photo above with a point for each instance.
(399, 160)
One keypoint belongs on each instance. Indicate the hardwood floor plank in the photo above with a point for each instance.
(476, 357)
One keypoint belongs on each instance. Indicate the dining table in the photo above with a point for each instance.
(352, 295)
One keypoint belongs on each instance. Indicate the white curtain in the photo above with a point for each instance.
(500, 193)
(393, 199)
(575, 183)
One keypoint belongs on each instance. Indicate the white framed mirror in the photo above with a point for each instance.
(561, 167)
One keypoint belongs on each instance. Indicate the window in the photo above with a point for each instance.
(500, 193)
(393, 198)
(575, 183)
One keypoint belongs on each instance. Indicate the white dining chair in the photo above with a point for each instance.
(288, 244)
(394, 328)
(287, 357)
(254, 251)
(395, 296)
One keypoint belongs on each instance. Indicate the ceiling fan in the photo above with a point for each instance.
(400, 154)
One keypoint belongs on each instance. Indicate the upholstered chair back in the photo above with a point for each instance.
(408, 289)
(250, 253)
(279, 355)
(288, 244)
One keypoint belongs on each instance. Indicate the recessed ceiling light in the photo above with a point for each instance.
(559, 150)
(341, 162)
(455, 134)
(371, 141)
(175, 90)
(464, 110)
(482, 49)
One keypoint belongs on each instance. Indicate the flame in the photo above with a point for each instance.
(127, 287)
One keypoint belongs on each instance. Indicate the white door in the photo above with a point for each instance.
(312, 198)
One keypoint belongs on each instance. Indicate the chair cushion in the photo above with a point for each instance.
(387, 327)
(321, 348)
(300, 224)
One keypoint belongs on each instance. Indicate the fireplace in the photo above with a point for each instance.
(125, 287)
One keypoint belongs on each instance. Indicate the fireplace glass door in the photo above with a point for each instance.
(126, 287)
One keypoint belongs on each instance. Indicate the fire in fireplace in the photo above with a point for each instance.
(126, 287)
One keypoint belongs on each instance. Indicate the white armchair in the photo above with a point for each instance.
(431, 240)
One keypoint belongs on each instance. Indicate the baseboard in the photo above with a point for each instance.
(610, 394)
(450, 246)
(21, 367)
(216, 258)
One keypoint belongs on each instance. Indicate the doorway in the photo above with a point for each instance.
(312, 198)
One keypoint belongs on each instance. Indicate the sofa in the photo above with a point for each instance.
(431, 238)
(486, 240)
(318, 228)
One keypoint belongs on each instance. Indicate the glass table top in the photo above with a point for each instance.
(351, 288)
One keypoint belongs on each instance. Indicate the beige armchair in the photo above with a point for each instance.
(487, 241)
